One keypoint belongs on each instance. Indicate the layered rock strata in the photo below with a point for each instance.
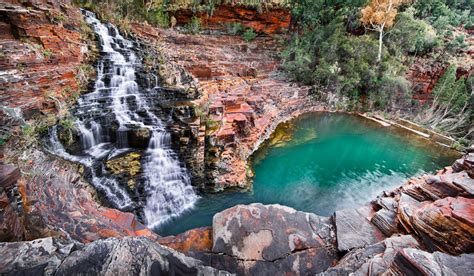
(269, 21)
(42, 49)
(242, 98)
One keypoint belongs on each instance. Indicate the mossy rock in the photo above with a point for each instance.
(128, 164)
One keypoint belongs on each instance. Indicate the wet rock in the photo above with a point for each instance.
(131, 256)
(199, 239)
(243, 100)
(411, 261)
(272, 238)
(58, 201)
(37, 257)
(355, 230)
(127, 164)
(375, 258)
(139, 138)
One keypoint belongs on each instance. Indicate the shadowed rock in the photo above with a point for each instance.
(127, 256)
(412, 261)
(375, 258)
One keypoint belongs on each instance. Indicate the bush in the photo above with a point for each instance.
(193, 26)
(412, 36)
(234, 28)
(457, 44)
(249, 35)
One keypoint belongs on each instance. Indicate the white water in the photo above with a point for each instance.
(167, 185)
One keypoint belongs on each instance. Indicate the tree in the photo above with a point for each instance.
(379, 15)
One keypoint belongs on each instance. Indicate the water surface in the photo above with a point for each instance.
(322, 162)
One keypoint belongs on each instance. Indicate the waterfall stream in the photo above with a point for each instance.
(166, 184)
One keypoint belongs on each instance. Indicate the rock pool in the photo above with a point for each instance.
(322, 162)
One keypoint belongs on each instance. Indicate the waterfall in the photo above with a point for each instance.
(167, 186)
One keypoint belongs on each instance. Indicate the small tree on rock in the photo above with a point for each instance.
(378, 16)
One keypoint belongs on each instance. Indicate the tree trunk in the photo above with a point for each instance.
(379, 56)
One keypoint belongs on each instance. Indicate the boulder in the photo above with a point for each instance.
(411, 261)
(126, 256)
(131, 256)
(354, 230)
(37, 257)
(272, 239)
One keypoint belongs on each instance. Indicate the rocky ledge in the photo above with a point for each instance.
(425, 227)
(242, 97)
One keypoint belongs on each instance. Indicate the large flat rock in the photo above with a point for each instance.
(261, 239)
(354, 230)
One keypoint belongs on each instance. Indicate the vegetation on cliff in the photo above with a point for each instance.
(335, 49)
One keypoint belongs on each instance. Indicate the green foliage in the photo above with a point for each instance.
(411, 36)
(67, 123)
(249, 35)
(4, 137)
(457, 44)
(234, 28)
(120, 12)
(445, 14)
(47, 54)
(328, 57)
(193, 26)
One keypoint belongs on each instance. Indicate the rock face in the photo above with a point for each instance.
(57, 201)
(11, 226)
(127, 256)
(242, 99)
(274, 20)
(41, 53)
(411, 261)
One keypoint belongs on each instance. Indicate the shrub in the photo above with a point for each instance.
(412, 36)
(249, 35)
(193, 26)
(457, 44)
(234, 28)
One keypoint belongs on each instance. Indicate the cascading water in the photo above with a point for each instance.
(167, 187)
